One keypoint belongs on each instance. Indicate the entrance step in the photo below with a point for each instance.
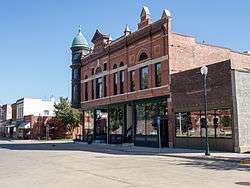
(128, 144)
(99, 141)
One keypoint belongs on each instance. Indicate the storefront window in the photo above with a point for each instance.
(147, 114)
(192, 124)
(88, 122)
(101, 123)
(116, 115)
(151, 118)
(140, 117)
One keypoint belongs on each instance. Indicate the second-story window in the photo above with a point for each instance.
(46, 112)
(144, 78)
(92, 89)
(105, 86)
(121, 79)
(86, 88)
(105, 66)
(115, 83)
(158, 74)
(75, 74)
(132, 81)
(115, 80)
(86, 91)
(98, 88)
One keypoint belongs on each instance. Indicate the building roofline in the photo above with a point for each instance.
(212, 45)
(123, 37)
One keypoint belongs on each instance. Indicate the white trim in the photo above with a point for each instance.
(93, 77)
(146, 63)
(138, 91)
(149, 62)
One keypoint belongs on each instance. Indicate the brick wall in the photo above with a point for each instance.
(187, 88)
(185, 53)
(188, 95)
(154, 44)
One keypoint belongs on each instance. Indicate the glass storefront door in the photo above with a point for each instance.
(151, 120)
(100, 129)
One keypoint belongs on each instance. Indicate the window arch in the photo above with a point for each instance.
(114, 66)
(143, 56)
(121, 64)
(98, 70)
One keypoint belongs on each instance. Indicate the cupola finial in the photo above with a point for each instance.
(79, 28)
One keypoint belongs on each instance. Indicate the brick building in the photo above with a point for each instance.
(145, 87)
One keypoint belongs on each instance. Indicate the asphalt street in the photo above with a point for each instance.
(73, 165)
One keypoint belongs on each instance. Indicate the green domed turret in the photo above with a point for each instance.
(79, 40)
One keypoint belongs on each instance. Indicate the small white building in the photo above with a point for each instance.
(35, 107)
(5, 117)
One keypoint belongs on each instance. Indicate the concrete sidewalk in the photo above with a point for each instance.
(123, 149)
(171, 152)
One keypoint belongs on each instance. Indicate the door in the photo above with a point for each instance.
(164, 132)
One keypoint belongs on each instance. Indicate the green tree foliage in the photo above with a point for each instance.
(71, 117)
(225, 121)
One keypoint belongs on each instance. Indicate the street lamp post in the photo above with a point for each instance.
(204, 71)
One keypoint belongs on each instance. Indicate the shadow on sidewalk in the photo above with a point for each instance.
(215, 165)
(119, 150)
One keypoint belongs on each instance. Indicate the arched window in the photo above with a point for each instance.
(98, 70)
(86, 89)
(121, 79)
(75, 73)
(115, 80)
(143, 56)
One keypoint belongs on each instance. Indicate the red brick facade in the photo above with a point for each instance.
(175, 52)
(153, 43)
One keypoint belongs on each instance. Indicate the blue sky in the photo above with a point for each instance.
(35, 36)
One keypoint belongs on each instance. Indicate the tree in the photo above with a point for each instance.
(70, 117)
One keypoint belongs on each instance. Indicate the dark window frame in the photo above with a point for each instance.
(115, 79)
(86, 97)
(157, 75)
(143, 56)
(122, 79)
(98, 87)
(105, 86)
(92, 90)
(142, 78)
(132, 80)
